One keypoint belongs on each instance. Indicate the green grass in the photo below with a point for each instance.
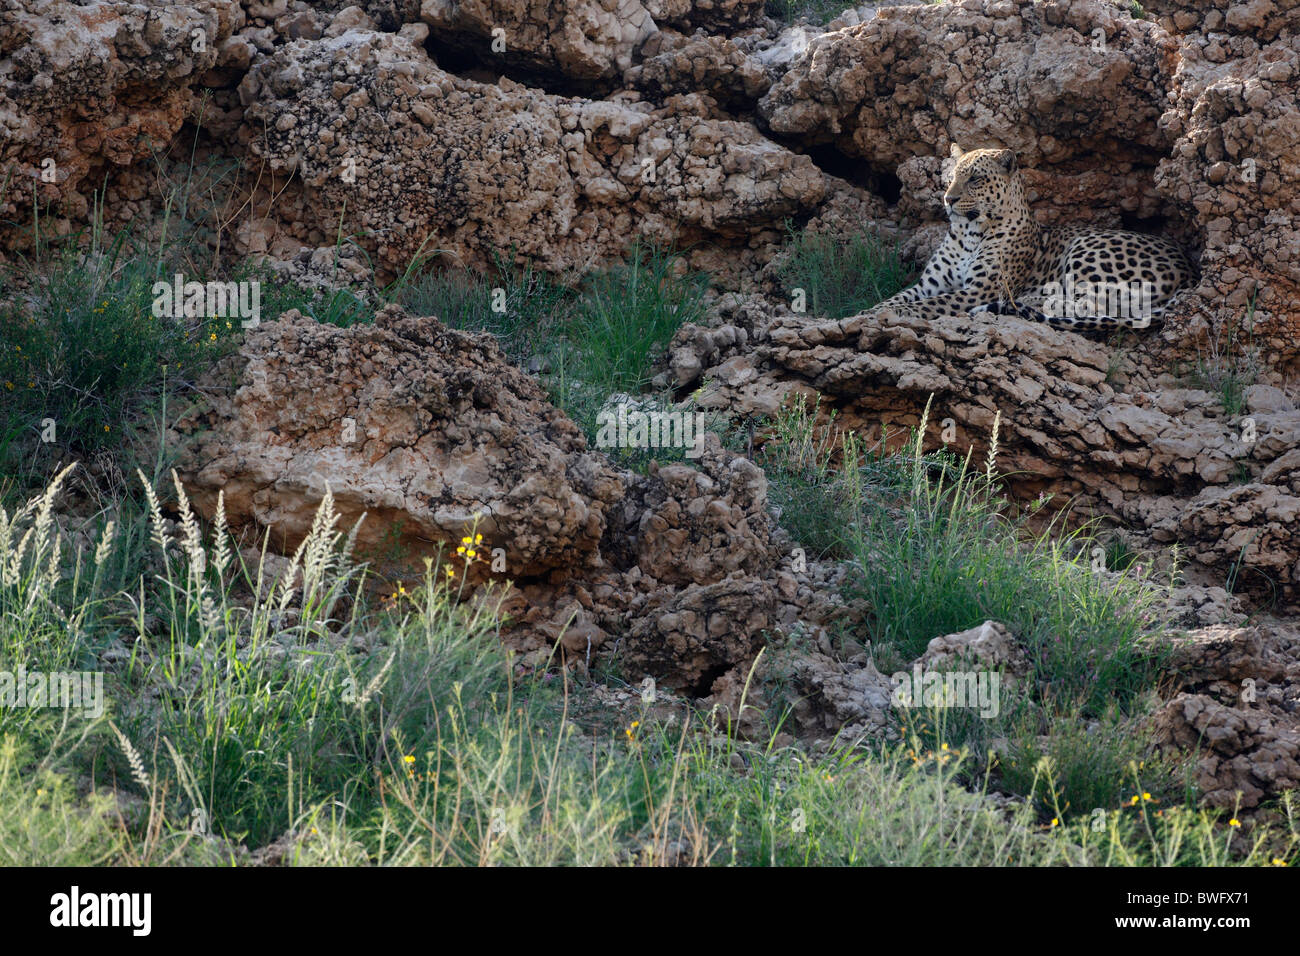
(617, 327)
(936, 550)
(1229, 363)
(816, 11)
(42, 820)
(81, 352)
(836, 276)
(1096, 764)
(517, 305)
(626, 316)
(948, 557)
(357, 729)
(343, 307)
(812, 494)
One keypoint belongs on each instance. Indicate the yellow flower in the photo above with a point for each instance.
(451, 572)
(466, 540)
(1278, 861)
(1055, 822)
(1147, 796)
(461, 549)
(471, 553)
(478, 539)
(1234, 822)
(212, 337)
(105, 428)
(409, 758)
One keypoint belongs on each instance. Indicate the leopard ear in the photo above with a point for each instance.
(1007, 159)
(955, 151)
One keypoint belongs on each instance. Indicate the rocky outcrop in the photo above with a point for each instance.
(1205, 656)
(843, 696)
(432, 435)
(675, 64)
(1075, 89)
(1116, 121)
(87, 88)
(1245, 755)
(577, 39)
(1237, 710)
(1235, 122)
(396, 149)
(428, 431)
(832, 699)
(990, 646)
(1262, 20)
(1165, 460)
(720, 16)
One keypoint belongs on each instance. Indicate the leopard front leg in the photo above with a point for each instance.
(944, 306)
(943, 270)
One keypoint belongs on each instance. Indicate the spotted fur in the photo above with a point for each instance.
(997, 259)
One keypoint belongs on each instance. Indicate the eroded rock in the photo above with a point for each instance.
(86, 88)
(428, 431)
(1245, 755)
(422, 159)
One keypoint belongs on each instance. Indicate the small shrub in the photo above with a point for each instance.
(841, 276)
(517, 305)
(82, 356)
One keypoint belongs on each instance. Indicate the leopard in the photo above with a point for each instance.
(997, 260)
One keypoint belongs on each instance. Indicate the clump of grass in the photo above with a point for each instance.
(517, 305)
(620, 323)
(43, 822)
(1090, 760)
(840, 276)
(1230, 363)
(938, 550)
(948, 557)
(342, 306)
(818, 475)
(263, 698)
(802, 484)
(627, 314)
(815, 11)
(82, 353)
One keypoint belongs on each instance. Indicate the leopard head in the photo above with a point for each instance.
(985, 186)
